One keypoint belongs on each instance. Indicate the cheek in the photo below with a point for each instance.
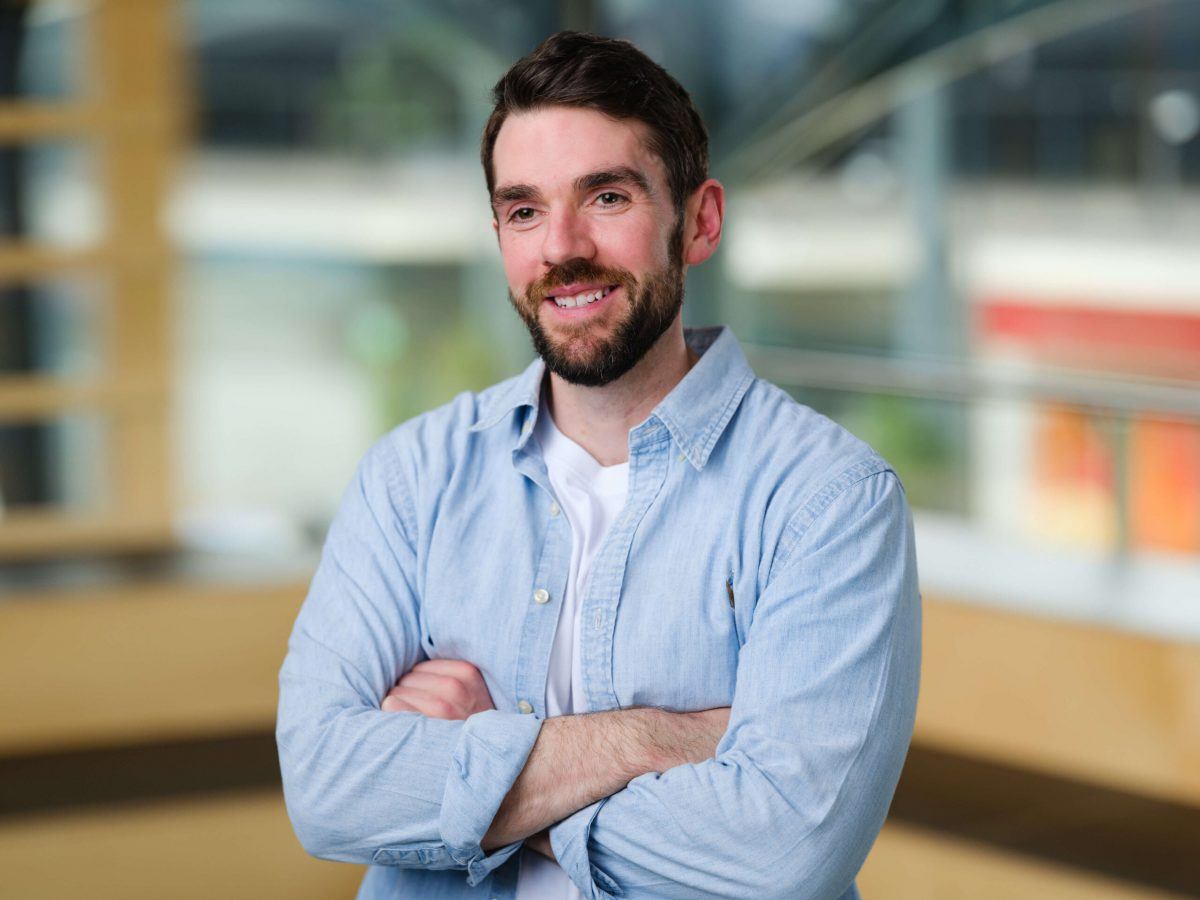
(521, 258)
(641, 247)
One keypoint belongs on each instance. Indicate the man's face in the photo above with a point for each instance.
(589, 237)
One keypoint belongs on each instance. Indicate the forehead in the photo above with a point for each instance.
(549, 148)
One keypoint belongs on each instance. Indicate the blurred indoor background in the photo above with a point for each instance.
(239, 241)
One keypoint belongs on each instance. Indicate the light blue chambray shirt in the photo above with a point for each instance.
(764, 560)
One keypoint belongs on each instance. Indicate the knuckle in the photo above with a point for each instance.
(442, 709)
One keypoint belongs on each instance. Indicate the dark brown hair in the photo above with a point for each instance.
(615, 78)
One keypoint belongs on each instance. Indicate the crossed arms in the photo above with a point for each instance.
(788, 805)
(575, 761)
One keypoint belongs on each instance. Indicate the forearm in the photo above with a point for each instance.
(580, 759)
(421, 791)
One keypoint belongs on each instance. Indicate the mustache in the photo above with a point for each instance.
(577, 270)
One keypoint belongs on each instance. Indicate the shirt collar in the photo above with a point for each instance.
(511, 395)
(701, 405)
(695, 412)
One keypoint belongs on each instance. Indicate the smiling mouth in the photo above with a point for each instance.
(584, 298)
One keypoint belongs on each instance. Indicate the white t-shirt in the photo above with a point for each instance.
(591, 497)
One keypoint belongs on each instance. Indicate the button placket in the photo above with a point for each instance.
(647, 474)
(549, 580)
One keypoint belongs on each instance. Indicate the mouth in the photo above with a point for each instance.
(583, 303)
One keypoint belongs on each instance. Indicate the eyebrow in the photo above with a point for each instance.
(618, 175)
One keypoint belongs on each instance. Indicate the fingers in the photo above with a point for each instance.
(440, 689)
(393, 703)
(447, 688)
(477, 697)
(456, 668)
(411, 700)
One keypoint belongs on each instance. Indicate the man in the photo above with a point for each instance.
(634, 623)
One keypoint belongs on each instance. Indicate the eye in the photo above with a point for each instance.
(521, 214)
(610, 198)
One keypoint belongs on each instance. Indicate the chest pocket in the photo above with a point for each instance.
(678, 635)
(739, 616)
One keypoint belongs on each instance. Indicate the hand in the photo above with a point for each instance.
(440, 689)
(541, 843)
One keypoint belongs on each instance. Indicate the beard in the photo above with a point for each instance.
(581, 357)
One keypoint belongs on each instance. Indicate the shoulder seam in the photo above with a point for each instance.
(803, 519)
(396, 485)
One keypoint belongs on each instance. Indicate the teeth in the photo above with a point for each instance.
(581, 299)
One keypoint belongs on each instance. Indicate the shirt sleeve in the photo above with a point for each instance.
(362, 785)
(819, 727)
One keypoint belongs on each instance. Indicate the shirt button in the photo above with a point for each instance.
(541, 595)
(554, 509)
(525, 707)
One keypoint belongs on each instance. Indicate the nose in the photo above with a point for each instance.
(566, 236)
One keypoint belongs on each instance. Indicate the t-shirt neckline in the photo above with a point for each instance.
(572, 459)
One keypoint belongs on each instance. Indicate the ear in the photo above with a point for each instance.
(703, 217)
(496, 229)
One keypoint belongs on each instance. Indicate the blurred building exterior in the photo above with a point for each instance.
(241, 241)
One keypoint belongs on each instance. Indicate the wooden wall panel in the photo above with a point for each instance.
(912, 864)
(1062, 697)
(129, 664)
(231, 846)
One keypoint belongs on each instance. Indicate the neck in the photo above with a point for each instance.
(598, 419)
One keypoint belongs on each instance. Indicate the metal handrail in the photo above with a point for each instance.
(955, 381)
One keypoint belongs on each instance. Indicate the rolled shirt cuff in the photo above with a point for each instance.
(569, 840)
(490, 753)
